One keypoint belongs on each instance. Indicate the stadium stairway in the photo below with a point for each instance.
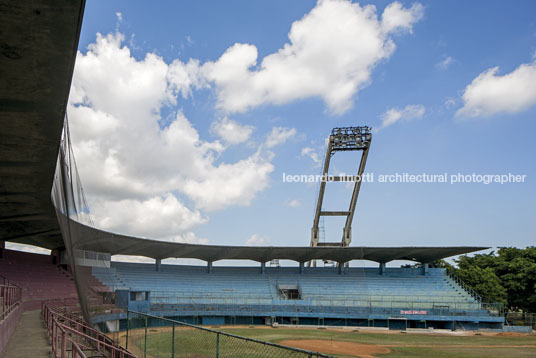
(109, 277)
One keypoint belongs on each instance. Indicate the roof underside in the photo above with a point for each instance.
(37, 55)
(91, 239)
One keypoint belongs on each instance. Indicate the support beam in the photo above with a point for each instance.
(209, 266)
(314, 230)
(334, 213)
(341, 267)
(347, 231)
(382, 268)
(301, 268)
(425, 267)
(263, 268)
(158, 264)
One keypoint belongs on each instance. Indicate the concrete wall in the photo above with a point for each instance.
(7, 327)
(518, 329)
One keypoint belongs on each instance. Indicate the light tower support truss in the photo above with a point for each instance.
(342, 139)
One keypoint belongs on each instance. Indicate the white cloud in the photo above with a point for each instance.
(490, 93)
(257, 240)
(135, 172)
(279, 135)
(445, 63)
(393, 115)
(331, 53)
(294, 203)
(396, 18)
(311, 153)
(450, 102)
(189, 40)
(231, 131)
(119, 16)
(236, 183)
(159, 217)
(183, 77)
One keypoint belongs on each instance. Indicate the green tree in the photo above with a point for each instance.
(485, 283)
(515, 270)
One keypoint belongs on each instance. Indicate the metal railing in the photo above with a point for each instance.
(463, 285)
(4, 280)
(182, 297)
(71, 337)
(154, 336)
(11, 297)
(174, 297)
(369, 307)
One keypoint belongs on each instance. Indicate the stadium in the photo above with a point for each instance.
(78, 302)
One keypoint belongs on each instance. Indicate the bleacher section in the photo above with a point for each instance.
(318, 292)
(42, 280)
(38, 277)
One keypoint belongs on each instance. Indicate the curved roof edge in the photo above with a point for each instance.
(91, 239)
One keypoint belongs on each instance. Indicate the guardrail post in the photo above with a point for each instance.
(173, 341)
(54, 345)
(145, 345)
(126, 338)
(63, 344)
(217, 345)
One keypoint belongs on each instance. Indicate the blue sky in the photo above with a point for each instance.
(431, 112)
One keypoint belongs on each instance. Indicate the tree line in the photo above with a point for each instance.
(507, 276)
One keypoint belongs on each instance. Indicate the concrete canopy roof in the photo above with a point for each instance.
(37, 55)
(91, 239)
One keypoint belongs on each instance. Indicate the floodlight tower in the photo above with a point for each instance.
(342, 139)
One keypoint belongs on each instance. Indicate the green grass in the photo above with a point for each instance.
(199, 344)
(278, 334)
(195, 343)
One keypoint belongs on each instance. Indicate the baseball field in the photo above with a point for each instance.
(336, 342)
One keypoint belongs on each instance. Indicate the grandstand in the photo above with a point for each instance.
(316, 296)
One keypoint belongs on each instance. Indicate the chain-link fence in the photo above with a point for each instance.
(152, 336)
(521, 319)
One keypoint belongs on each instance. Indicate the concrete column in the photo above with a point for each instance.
(341, 268)
(301, 268)
(55, 257)
(263, 268)
(158, 264)
(209, 266)
(382, 268)
(425, 269)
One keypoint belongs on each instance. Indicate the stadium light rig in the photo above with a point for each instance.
(350, 138)
(342, 139)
